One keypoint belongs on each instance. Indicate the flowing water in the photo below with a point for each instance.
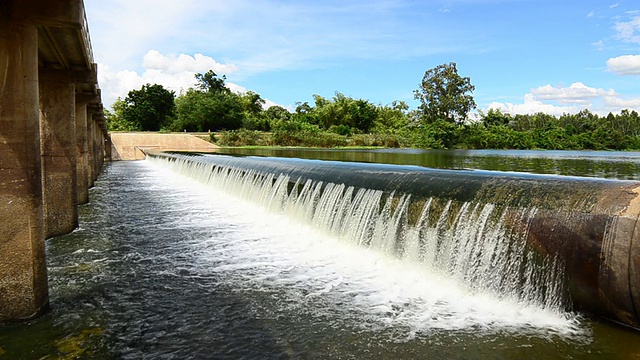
(174, 260)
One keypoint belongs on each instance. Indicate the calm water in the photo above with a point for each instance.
(165, 267)
(604, 164)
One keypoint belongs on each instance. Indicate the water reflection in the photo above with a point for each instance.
(602, 164)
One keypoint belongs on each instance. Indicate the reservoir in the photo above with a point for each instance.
(169, 264)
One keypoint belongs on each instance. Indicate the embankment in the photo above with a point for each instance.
(130, 146)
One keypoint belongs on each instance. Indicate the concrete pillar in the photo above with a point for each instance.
(108, 146)
(82, 160)
(90, 151)
(96, 146)
(100, 153)
(58, 136)
(23, 277)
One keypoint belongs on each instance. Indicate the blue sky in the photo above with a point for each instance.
(523, 56)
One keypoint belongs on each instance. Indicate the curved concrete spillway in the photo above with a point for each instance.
(587, 227)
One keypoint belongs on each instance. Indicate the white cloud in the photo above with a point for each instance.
(618, 103)
(576, 93)
(625, 65)
(614, 5)
(176, 64)
(629, 31)
(591, 14)
(569, 100)
(531, 106)
(174, 72)
(598, 45)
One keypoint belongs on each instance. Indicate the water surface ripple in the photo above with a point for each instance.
(163, 267)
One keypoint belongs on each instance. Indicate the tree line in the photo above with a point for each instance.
(440, 121)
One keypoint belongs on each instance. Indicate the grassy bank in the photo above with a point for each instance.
(320, 139)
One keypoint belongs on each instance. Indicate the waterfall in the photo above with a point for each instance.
(482, 246)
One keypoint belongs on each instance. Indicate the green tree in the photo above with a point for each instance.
(445, 95)
(150, 108)
(210, 82)
(204, 111)
(495, 117)
(212, 106)
(115, 118)
(392, 117)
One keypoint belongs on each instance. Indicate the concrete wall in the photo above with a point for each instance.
(128, 146)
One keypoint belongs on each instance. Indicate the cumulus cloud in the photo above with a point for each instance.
(618, 103)
(531, 105)
(174, 72)
(625, 65)
(568, 100)
(576, 93)
(175, 64)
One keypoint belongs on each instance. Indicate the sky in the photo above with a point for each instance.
(523, 56)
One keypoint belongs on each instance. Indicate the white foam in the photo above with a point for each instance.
(259, 248)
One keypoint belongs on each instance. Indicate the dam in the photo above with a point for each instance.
(210, 255)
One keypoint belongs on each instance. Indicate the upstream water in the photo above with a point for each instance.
(623, 165)
(167, 266)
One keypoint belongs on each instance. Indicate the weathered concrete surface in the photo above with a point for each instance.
(58, 136)
(91, 160)
(46, 66)
(23, 278)
(82, 182)
(129, 146)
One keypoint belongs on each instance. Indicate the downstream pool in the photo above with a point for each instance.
(165, 267)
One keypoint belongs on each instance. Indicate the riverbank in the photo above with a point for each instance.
(517, 135)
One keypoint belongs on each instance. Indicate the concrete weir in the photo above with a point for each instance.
(51, 128)
(588, 226)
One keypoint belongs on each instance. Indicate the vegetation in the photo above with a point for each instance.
(440, 121)
(445, 95)
(148, 109)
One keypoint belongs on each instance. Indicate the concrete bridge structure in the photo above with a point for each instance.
(53, 138)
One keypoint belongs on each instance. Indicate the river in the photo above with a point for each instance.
(163, 266)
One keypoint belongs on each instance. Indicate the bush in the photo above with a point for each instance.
(242, 137)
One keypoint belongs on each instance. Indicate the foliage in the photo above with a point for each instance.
(211, 83)
(342, 111)
(208, 111)
(243, 137)
(440, 122)
(445, 95)
(150, 108)
(115, 119)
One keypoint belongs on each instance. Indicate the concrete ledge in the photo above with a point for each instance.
(130, 146)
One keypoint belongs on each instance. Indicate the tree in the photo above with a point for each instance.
(204, 111)
(212, 106)
(115, 118)
(210, 82)
(149, 108)
(445, 95)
